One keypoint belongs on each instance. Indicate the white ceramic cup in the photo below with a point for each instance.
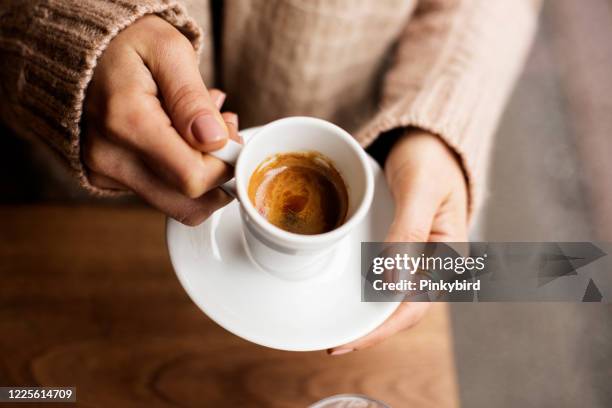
(285, 254)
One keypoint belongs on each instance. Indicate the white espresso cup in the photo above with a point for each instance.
(285, 254)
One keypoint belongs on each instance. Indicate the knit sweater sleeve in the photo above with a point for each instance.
(451, 73)
(48, 51)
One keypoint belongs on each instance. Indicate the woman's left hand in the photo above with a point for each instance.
(430, 194)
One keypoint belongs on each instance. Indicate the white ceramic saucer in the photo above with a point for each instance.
(212, 264)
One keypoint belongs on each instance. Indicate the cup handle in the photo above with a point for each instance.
(229, 154)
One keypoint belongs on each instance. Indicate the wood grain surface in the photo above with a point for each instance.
(88, 299)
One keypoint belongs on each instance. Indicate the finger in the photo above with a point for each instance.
(173, 63)
(414, 215)
(125, 104)
(416, 208)
(117, 162)
(101, 181)
(450, 223)
(406, 315)
(231, 120)
(217, 96)
(140, 123)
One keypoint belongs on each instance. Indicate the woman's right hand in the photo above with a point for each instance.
(149, 121)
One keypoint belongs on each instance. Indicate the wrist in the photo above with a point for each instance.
(412, 146)
(418, 156)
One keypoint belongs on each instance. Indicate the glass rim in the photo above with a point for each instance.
(339, 397)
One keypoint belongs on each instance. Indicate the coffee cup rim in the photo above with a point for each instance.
(291, 238)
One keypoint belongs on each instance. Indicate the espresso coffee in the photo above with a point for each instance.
(300, 192)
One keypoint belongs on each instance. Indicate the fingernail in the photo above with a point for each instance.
(339, 352)
(232, 118)
(207, 130)
(219, 99)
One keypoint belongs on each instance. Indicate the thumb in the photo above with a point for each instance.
(187, 101)
(414, 216)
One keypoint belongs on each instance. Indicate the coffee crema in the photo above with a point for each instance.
(300, 192)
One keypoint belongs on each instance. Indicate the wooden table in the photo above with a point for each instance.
(88, 299)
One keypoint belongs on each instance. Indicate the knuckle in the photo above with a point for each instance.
(168, 34)
(123, 116)
(134, 118)
(157, 28)
(188, 100)
(192, 183)
(181, 44)
(172, 45)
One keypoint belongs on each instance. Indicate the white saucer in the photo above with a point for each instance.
(319, 313)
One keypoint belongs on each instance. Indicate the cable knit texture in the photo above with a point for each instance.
(446, 66)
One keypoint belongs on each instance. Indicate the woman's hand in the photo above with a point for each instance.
(430, 194)
(149, 120)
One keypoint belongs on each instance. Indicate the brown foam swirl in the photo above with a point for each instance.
(300, 192)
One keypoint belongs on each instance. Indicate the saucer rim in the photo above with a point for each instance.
(385, 313)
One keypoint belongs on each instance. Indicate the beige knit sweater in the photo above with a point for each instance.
(446, 66)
